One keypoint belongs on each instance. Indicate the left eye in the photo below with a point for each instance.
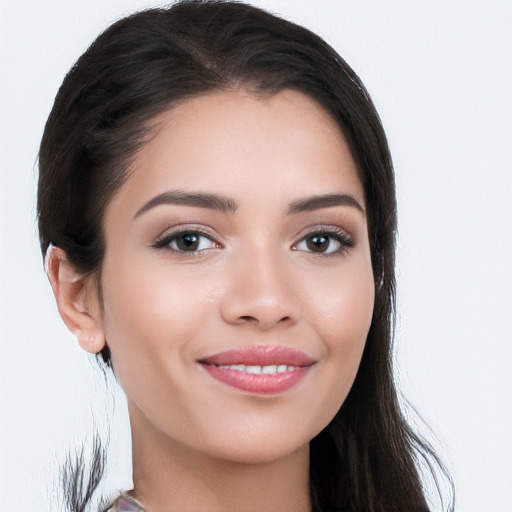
(323, 243)
(187, 241)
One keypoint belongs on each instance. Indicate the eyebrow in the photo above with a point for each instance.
(228, 205)
(198, 199)
(324, 201)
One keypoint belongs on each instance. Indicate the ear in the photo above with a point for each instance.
(77, 299)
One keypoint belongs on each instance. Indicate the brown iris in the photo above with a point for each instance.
(318, 243)
(188, 242)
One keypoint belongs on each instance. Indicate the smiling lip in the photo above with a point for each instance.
(261, 370)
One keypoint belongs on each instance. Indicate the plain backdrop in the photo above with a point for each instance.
(440, 75)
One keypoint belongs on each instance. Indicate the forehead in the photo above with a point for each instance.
(239, 144)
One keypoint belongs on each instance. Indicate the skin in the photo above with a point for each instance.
(199, 444)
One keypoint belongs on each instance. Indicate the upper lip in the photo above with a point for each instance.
(260, 355)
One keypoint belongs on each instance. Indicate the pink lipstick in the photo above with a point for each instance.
(259, 369)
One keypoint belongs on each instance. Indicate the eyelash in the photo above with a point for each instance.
(329, 233)
(166, 240)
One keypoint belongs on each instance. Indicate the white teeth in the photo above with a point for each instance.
(258, 370)
(238, 367)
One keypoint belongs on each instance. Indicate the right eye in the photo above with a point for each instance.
(186, 241)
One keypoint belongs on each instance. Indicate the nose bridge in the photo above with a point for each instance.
(260, 289)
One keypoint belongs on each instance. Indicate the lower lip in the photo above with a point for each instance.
(263, 384)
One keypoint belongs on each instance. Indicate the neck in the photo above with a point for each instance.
(169, 476)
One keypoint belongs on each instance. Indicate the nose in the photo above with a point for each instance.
(260, 292)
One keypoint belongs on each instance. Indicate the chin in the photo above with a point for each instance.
(258, 453)
(258, 446)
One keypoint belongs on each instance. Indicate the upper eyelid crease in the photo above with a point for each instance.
(345, 240)
(338, 234)
(169, 235)
(328, 229)
(166, 239)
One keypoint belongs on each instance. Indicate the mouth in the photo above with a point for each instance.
(260, 369)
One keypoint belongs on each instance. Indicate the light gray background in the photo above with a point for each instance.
(440, 74)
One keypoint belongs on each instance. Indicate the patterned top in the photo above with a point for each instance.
(125, 503)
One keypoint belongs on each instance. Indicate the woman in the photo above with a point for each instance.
(217, 212)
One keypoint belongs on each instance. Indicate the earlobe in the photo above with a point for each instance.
(77, 300)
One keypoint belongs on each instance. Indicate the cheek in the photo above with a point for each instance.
(151, 318)
(342, 317)
(342, 305)
(150, 314)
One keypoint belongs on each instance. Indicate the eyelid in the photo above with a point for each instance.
(171, 233)
(325, 228)
(345, 239)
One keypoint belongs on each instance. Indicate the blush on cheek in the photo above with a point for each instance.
(351, 309)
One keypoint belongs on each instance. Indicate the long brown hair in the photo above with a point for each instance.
(367, 458)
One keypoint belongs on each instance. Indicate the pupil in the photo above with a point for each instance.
(188, 242)
(318, 243)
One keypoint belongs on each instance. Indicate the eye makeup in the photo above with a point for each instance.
(325, 241)
(188, 241)
(194, 240)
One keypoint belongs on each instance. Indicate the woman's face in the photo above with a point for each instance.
(237, 286)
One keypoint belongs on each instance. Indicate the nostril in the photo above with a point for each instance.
(253, 319)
